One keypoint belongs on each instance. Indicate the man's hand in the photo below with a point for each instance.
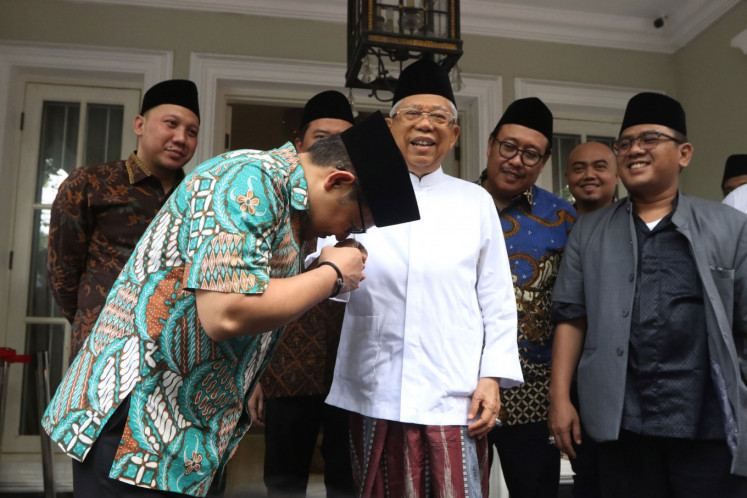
(564, 424)
(256, 405)
(350, 260)
(486, 401)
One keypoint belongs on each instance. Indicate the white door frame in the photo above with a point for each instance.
(21, 63)
(55, 63)
(222, 78)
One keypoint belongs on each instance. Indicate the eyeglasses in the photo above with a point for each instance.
(362, 228)
(436, 118)
(529, 157)
(646, 141)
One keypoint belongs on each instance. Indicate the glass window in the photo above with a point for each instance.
(103, 133)
(562, 145)
(40, 337)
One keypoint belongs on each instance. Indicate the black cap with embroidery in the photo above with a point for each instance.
(656, 109)
(421, 77)
(381, 171)
(330, 104)
(736, 165)
(530, 112)
(176, 92)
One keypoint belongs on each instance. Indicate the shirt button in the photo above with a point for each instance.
(631, 277)
(625, 312)
(619, 351)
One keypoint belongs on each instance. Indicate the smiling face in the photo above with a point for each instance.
(423, 144)
(591, 173)
(508, 178)
(167, 137)
(649, 174)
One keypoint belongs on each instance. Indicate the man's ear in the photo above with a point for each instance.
(686, 154)
(337, 178)
(137, 125)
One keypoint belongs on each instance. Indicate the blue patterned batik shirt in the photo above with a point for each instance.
(229, 227)
(535, 225)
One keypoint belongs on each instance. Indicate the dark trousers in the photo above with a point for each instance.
(291, 427)
(585, 466)
(91, 476)
(531, 467)
(638, 466)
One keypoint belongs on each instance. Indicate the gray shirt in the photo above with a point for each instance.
(599, 271)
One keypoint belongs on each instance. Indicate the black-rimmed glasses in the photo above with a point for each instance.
(646, 141)
(529, 157)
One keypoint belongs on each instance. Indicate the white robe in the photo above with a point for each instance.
(436, 311)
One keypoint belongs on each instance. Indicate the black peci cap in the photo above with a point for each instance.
(736, 165)
(330, 104)
(654, 108)
(421, 77)
(530, 112)
(381, 171)
(176, 92)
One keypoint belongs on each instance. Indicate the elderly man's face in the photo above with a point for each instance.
(591, 173)
(508, 178)
(422, 143)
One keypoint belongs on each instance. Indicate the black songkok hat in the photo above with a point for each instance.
(330, 104)
(530, 112)
(423, 76)
(736, 165)
(381, 171)
(654, 108)
(177, 92)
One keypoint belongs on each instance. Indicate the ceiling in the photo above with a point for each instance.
(625, 24)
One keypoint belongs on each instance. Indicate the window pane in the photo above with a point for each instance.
(103, 133)
(562, 146)
(40, 337)
(40, 300)
(58, 147)
(605, 140)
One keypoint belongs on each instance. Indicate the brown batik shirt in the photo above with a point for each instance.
(304, 362)
(97, 218)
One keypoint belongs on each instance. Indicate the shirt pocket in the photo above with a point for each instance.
(358, 352)
(460, 360)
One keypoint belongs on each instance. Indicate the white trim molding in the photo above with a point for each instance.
(740, 41)
(223, 78)
(500, 19)
(578, 100)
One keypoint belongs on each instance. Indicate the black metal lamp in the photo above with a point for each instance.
(384, 35)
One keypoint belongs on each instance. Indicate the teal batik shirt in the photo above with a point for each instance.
(229, 227)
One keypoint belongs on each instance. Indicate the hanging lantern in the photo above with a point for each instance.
(384, 36)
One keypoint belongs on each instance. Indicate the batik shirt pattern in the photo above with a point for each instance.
(535, 226)
(97, 218)
(229, 227)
